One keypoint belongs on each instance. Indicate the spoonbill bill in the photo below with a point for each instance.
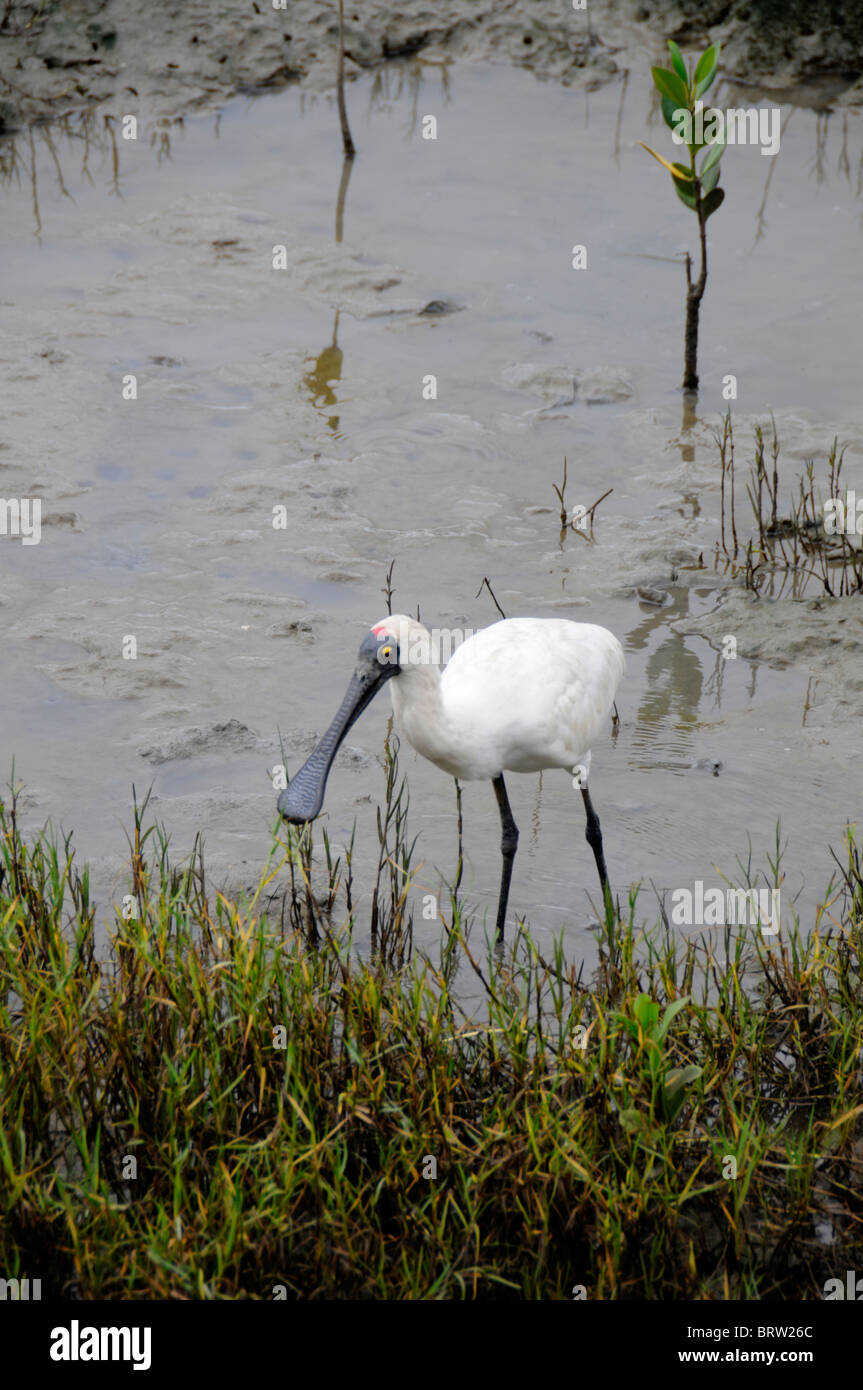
(520, 696)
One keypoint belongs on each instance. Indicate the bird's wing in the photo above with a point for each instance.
(538, 690)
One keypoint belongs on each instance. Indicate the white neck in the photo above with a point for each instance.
(420, 712)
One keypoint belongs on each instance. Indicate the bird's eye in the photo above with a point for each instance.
(386, 651)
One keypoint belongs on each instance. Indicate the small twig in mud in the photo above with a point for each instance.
(725, 445)
(347, 141)
(775, 453)
(577, 526)
(485, 584)
(590, 511)
(561, 495)
(388, 590)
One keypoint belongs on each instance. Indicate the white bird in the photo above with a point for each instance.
(522, 695)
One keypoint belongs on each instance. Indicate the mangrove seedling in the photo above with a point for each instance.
(681, 91)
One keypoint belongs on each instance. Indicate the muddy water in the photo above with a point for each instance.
(302, 387)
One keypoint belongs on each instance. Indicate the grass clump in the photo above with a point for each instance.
(225, 1104)
(817, 536)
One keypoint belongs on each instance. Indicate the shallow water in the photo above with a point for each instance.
(303, 388)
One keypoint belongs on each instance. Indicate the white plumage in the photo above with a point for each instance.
(519, 696)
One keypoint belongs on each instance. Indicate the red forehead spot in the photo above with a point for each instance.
(378, 630)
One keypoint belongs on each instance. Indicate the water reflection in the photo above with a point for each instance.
(73, 144)
(347, 166)
(390, 82)
(326, 371)
(676, 684)
(675, 678)
(95, 133)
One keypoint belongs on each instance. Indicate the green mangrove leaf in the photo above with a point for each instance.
(706, 66)
(712, 201)
(668, 84)
(703, 86)
(687, 198)
(710, 179)
(669, 112)
(677, 61)
(715, 153)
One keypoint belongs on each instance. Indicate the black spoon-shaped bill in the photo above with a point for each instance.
(302, 799)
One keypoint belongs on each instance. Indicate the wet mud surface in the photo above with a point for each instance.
(170, 58)
(260, 388)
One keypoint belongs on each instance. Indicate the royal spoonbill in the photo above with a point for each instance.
(520, 696)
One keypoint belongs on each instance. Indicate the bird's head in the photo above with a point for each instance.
(402, 640)
(380, 657)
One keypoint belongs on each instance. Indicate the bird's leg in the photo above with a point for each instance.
(593, 835)
(508, 846)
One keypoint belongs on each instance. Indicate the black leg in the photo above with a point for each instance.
(593, 835)
(508, 846)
